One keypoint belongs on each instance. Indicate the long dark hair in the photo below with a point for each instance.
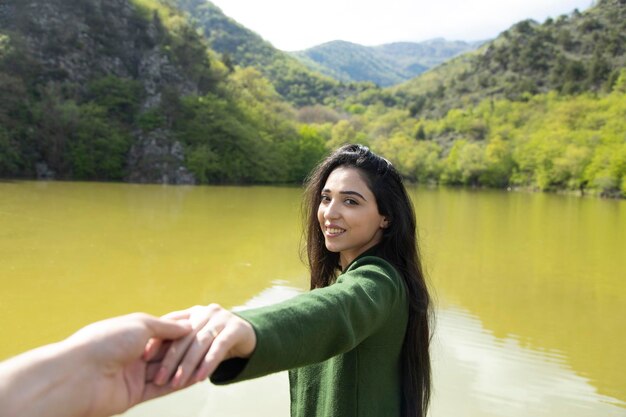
(398, 246)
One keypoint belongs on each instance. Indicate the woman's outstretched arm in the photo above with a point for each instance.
(304, 330)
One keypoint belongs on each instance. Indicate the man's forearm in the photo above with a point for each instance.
(48, 381)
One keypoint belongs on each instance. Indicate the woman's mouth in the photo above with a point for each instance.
(334, 231)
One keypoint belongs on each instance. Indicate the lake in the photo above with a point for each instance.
(530, 289)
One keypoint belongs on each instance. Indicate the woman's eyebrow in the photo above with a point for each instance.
(326, 190)
(352, 193)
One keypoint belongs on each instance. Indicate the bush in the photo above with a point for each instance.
(96, 149)
(119, 97)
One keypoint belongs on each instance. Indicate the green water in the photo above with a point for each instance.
(530, 288)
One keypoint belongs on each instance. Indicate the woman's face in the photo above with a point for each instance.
(348, 215)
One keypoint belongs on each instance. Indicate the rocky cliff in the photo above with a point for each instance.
(63, 46)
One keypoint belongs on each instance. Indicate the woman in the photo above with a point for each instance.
(358, 343)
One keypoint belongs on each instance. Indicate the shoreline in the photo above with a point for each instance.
(525, 189)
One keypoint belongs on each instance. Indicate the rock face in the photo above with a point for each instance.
(158, 159)
(44, 172)
(75, 41)
(70, 42)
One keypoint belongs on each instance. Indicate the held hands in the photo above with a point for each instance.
(129, 359)
(115, 353)
(109, 366)
(217, 335)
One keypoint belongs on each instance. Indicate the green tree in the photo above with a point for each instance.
(310, 150)
(465, 164)
(343, 132)
(119, 96)
(499, 163)
(96, 148)
(203, 163)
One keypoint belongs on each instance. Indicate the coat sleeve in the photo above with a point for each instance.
(320, 324)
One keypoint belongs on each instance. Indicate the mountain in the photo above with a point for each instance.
(129, 90)
(347, 61)
(426, 54)
(384, 65)
(570, 54)
(240, 46)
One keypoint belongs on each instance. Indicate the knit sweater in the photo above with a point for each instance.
(341, 343)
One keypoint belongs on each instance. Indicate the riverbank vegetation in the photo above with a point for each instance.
(548, 142)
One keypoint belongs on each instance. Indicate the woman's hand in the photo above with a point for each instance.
(217, 335)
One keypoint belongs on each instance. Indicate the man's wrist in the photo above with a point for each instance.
(56, 372)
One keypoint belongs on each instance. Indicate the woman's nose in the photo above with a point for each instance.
(331, 211)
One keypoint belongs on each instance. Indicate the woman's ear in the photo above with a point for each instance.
(384, 223)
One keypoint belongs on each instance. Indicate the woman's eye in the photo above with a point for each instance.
(325, 198)
(351, 202)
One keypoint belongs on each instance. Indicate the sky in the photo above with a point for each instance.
(293, 25)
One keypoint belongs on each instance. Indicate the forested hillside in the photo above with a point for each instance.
(384, 65)
(548, 142)
(569, 54)
(121, 89)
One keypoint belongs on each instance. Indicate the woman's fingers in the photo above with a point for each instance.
(218, 351)
(173, 355)
(237, 339)
(217, 334)
(154, 344)
(198, 316)
(196, 351)
(153, 347)
(157, 356)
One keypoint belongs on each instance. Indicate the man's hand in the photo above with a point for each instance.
(98, 371)
(114, 353)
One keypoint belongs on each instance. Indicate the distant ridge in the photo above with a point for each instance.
(385, 65)
(241, 46)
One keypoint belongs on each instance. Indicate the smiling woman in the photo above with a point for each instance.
(358, 343)
(348, 215)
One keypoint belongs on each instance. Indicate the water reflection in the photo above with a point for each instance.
(546, 270)
(487, 376)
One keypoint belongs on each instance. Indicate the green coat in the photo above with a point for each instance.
(342, 344)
